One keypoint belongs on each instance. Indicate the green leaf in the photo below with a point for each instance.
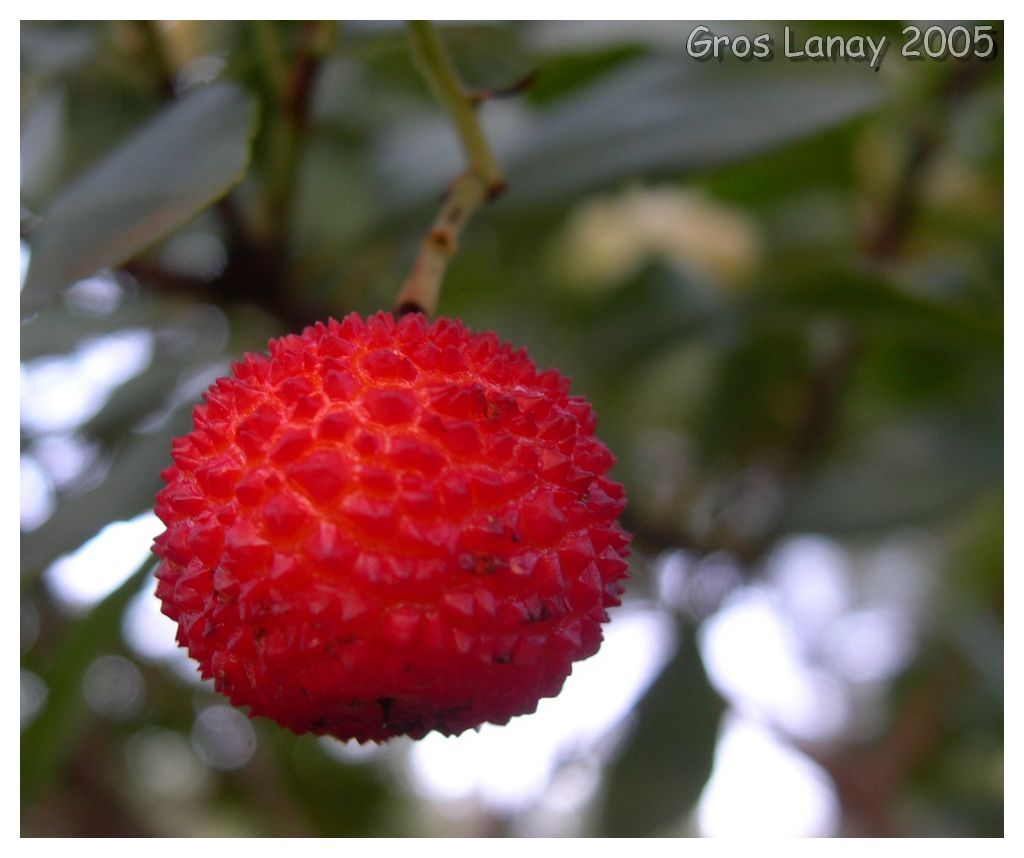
(321, 784)
(657, 116)
(565, 73)
(128, 489)
(48, 740)
(659, 776)
(58, 330)
(903, 473)
(58, 48)
(653, 117)
(163, 175)
(657, 308)
(874, 304)
(44, 145)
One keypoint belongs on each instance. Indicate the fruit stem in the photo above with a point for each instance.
(437, 67)
(482, 180)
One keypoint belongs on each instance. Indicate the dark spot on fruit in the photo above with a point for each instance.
(537, 611)
(331, 650)
(483, 564)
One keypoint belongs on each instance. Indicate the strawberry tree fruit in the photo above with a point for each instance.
(390, 527)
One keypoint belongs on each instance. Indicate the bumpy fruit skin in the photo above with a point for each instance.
(389, 528)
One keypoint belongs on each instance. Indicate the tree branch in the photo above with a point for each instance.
(482, 180)
(293, 90)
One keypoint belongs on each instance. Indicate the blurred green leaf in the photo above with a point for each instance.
(564, 73)
(129, 488)
(139, 397)
(53, 48)
(659, 775)
(657, 308)
(57, 330)
(47, 741)
(658, 115)
(188, 339)
(44, 143)
(901, 473)
(868, 301)
(323, 784)
(644, 119)
(752, 403)
(163, 175)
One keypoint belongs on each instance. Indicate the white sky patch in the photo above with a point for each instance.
(84, 577)
(96, 296)
(151, 635)
(873, 644)
(26, 257)
(148, 631)
(38, 500)
(812, 577)
(761, 787)
(509, 767)
(65, 457)
(754, 659)
(351, 752)
(60, 393)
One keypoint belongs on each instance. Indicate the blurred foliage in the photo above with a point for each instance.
(780, 283)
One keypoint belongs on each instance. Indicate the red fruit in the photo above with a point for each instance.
(390, 527)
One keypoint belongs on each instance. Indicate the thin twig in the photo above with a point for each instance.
(482, 180)
(423, 286)
(478, 96)
(271, 57)
(293, 92)
(436, 65)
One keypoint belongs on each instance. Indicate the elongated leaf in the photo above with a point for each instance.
(876, 304)
(660, 773)
(128, 489)
(902, 474)
(155, 181)
(48, 741)
(650, 117)
(58, 330)
(44, 143)
(663, 115)
(321, 784)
